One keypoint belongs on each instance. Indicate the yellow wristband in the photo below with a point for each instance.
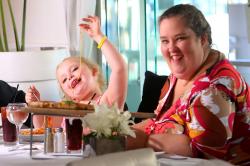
(101, 42)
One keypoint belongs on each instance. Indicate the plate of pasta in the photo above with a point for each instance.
(37, 135)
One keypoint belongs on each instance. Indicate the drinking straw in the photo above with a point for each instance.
(14, 99)
(81, 47)
(91, 99)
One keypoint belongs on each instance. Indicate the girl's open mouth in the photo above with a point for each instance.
(75, 82)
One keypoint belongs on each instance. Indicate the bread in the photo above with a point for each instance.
(34, 131)
(61, 105)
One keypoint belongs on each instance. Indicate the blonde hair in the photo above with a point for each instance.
(91, 65)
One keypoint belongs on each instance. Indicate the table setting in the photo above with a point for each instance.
(30, 146)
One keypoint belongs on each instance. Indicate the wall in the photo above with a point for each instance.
(239, 32)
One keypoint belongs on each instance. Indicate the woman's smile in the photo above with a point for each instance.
(175, 57)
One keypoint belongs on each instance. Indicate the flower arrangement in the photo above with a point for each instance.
(107, 122)
(3, 35)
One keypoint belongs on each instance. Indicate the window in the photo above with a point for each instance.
(123, 29)
(224, 18)
(132, 26)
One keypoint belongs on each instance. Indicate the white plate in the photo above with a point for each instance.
(169, 156)
(159, 153)
(35, 138)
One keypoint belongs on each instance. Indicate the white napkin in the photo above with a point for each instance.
(177, 160)
(88, 151)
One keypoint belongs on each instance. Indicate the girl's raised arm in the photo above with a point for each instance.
(118, 82)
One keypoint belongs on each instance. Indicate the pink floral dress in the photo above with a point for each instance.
(214, 114)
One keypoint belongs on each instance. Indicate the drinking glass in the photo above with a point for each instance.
(16, 116)
(9, 129)
(73, 135)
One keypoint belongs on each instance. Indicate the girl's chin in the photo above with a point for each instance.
(77, 99)
(75, 96)
(80, 96)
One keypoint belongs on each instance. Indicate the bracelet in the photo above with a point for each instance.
(101, 42)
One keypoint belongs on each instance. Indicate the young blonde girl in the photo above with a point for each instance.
(82, 82)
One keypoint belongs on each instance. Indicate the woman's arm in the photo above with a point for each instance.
(141, 138)
(170, 143)
(117, 87)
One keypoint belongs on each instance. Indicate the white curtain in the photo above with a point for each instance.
(75, 10)
(50, 24)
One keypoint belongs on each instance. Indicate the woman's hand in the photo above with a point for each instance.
(32, 94)
(92, 27)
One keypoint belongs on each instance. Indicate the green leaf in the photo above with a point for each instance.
(68, 102)
(23, 25)
(14, 26)
(4, 27)
(1, 44)
(3, 34)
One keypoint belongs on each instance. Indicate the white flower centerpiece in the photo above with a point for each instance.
(106, 129)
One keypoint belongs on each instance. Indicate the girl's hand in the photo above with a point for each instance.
(92, 26)
(32, 94)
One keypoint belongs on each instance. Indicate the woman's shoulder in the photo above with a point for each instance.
(224, 70)
(223, 75)
(222, 67)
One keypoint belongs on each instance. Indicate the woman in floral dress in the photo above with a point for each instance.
(204, 107)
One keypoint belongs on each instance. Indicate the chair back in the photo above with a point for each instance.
(152, 86)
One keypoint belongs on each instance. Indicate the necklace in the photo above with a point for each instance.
(91, 98)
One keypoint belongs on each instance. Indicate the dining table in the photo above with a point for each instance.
(31, 152)
(20, 156)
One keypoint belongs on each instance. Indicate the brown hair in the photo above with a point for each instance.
(193, 18)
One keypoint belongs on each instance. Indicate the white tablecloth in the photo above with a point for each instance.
(190, 162)
(21, 157)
